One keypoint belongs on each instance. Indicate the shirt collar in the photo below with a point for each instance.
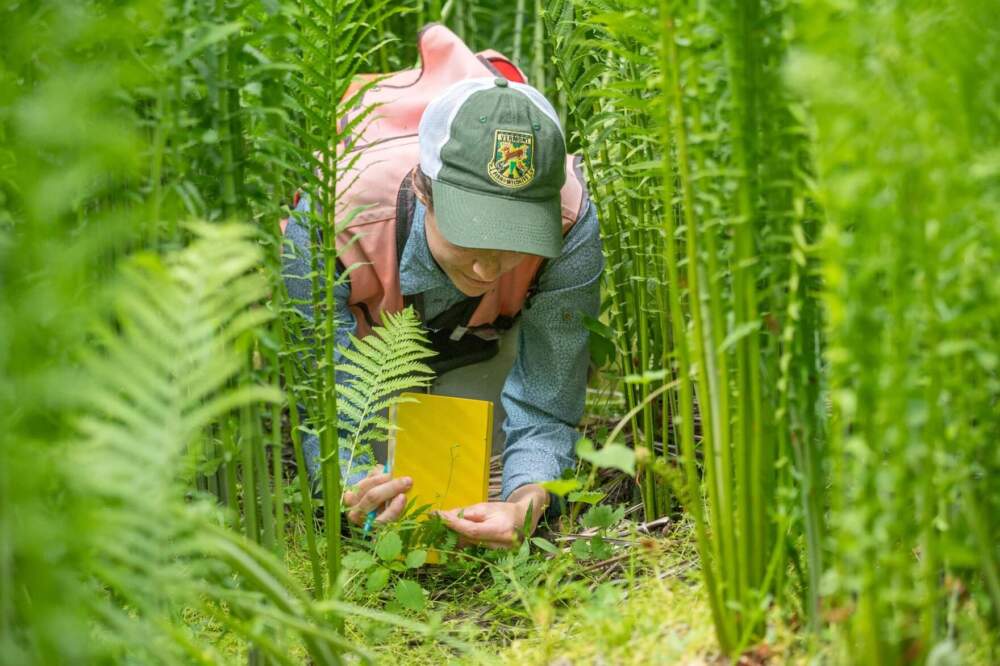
(418, 271)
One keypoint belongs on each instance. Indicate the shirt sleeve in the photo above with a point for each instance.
(545, 390)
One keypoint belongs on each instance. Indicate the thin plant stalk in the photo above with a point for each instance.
(230, 447)
(251, 526)
(714, 455)
(330, 439)
(719, 470)
(305, 491)
(694, 503)
(518, 31)
(263, 488)
(277, 470)
(538, 48)
(742, 57)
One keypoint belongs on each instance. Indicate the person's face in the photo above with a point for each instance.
(473, 271)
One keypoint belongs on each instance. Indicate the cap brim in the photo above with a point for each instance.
(471, 219)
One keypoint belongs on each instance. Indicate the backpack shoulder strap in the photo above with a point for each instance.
(406, 203)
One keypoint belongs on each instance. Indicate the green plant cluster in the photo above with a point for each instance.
(701, 172)
(798, 203)
(794, 245)
(906, 135)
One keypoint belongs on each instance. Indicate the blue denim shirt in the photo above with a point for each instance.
(544, 393)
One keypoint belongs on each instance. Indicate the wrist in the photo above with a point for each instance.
(531, 495)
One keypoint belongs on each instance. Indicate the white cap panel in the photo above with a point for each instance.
(435, 123)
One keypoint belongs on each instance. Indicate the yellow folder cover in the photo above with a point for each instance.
(444, 444)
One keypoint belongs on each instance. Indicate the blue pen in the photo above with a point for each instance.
(370, 520)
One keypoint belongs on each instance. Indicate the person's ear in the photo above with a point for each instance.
(421, 195)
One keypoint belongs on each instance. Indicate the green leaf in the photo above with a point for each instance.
(598, 516)
(602, 516)
(377, 580)
(523, 553)
(545, 544)
(580, 549)
(381, 365)
(561, 486)
(647, 377)
(952, 347)
(410, 595)
(416, 558)
(738, 333)
(601, 340)
(359, 560)
(213, 34)
(389, 546)
(586, 496)
(613, 456)
(599, 548)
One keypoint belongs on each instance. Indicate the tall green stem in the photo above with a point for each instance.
(538, 48)
(330, 438)
(518, 32)
(672, 115)
(751, 460)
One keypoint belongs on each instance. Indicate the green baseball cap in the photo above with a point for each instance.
(496, 157)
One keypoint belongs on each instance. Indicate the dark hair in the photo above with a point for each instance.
(422, 185)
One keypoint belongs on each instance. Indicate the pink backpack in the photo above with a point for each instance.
(403, 96)
(374, 175)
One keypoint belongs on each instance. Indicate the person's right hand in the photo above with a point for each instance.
(375, 490)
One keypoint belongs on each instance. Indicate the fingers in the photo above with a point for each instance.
(477, 513)
(393, 511)
(380, 489)
(374, 477)
(476, 528)
(353, 498)
(464, 527)
(382, 493)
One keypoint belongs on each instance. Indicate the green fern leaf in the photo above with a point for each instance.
(380, 366)
(161, 371)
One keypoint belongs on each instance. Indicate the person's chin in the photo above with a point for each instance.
(471, 287)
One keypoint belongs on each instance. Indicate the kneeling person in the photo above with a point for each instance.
(493, 223)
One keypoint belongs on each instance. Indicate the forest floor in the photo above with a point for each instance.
(643, 604)
(618, 592)
(640, 602)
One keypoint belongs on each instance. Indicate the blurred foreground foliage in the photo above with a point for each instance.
(799, 209)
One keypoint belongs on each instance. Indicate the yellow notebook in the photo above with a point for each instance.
(444, 444)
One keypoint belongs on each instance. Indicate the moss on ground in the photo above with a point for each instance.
(645, 604)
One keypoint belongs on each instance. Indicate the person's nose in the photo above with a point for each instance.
(487, 269)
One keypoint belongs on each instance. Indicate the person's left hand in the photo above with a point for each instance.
(499, 524)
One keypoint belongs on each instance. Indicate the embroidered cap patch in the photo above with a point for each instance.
(513, 162)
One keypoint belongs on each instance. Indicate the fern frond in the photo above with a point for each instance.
(380, 366)
(162, 370)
